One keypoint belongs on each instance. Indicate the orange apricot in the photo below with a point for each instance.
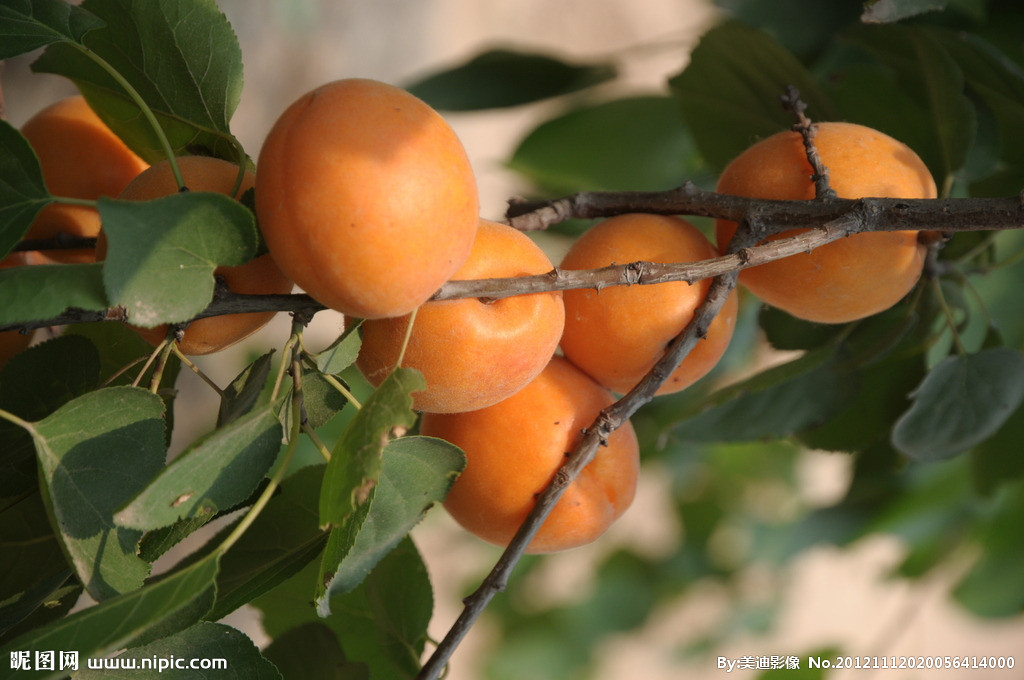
(515, 447)
(366, 198)
(260, 276)
(473, 353)
(851, 278)
(14, 342)
(617, 334)
(80, 158)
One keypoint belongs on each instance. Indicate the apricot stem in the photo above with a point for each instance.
(147, 112)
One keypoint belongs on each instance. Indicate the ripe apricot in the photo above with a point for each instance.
(366, 198)
(259, 276)
(80, 158)
(617, 334)
(473, 353)
(13, 342)
(853, 277)
(515, 447)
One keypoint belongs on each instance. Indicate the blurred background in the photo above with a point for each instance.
(618, 608)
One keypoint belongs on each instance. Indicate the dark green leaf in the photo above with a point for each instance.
(994, 586)
(180, 55)
(417, 472)
(501, 78)
(321, 399)
(244, 391)
(786, 332)
(355, 465)
(729, 92)
(928, 75)
(960, 403)
(805, 27)
(779, 401)
(95, 453)
(890, 11)
(311, 652)
(26, 25)
(44, 291)
(157, 610)
(162, 253)
(383, 623)
(622, 145)
(156, 543)
(284, 538)
(216, 472)
(23, 192)
(202, 641)
(997, 460)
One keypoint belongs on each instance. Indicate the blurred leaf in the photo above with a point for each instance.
(775, 403)
(163, 252)
(786, 332)
(180, 55)
(154, 611)
(311, 652)
(43, 291)
(284, 538)
(95, 452)
(27, 25)
(416, 473)
(729, 92)
(932, 79)
(997, 460)
(622, 145)
(960, 403)
(54, 606)
(999, 83)
(383, 622)
(207, 641)
(804, 27)
(241, 396)
(214, 473)
(891, 11)
(502, 78)
(355, 465)
(23, 192)
(994, 587)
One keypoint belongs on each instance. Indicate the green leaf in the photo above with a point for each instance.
(961, 402)
(383, 623)
(342, 352)
(782, 400)
(931, 79)
(180, 55)
(321, 399)
(241, 396)
(27, 25)
(23, 192)
(417, 472)
(154, 611)
(729, 92)
(203, 641)
(622, 145)
(997, 461)
(502, 78)
(994, 586)
(95, 453)
(122, 353)
(216, 472)
(162, 253)
(311, 652)
(355, 465)
(44, 291)
(804, 27)
(284, 538)
(891, 11)
(34, 384)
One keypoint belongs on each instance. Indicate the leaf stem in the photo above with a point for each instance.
(15, 420)
(149, 362)
(195, 369)
(947, 313)
(147, 112)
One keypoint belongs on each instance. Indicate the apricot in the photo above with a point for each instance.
(366, 198)
(851, 278)
(14, 342)
(515, 447)
(80, 158)
(260, 276)
(473, 353)
(617, 334)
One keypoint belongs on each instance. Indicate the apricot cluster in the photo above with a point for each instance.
(367, 201)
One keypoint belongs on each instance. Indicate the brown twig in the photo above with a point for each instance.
(791, 102)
